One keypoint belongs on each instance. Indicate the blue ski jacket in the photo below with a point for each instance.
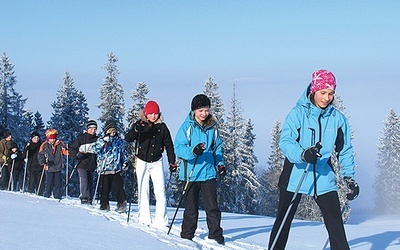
(331, 130)
(190, 134)
(111, 155)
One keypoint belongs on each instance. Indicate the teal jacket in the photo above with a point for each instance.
(332, 130)
(190, 134)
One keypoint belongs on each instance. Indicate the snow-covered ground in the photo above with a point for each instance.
(30, 222)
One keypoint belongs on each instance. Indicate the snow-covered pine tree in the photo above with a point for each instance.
(211, 90)
(251, 185)
(387, 188)
(70, 111)
(112, 95)
(238, 176)
(69, 117)
(12, 104)
(269, 191)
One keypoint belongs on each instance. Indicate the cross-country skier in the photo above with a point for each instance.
(85, 160)
(314, 117)
(154, 137)
(51, 157)
(111, 160)
(199, 145)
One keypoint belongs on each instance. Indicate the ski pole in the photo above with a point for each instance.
(319, 146)
(98, 180)
(182, 195)
(134, 174)
(1, 169)
(26, 166)
(11, 176)
(40, 182)
(66, 174)
(72, 172)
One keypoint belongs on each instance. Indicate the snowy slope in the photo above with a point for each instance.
(34, 222)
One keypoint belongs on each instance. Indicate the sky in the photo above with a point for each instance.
(35, 222)
(268, 49)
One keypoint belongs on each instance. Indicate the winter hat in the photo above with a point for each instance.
(34, 134)
(200, 101)
(91, 124)
(109, 124)
(322, 79)
(13, 145)
(6, 134)
(151, 108)
(51, 134)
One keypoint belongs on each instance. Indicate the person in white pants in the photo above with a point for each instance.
(152, 136)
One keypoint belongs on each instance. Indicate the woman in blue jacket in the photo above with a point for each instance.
(199, 145)
(314, 119)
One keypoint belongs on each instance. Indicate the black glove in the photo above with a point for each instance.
(199, 149)
(222, 170)
(353, 187)
(173, 167)
(79, 155)
(311, 154)
(141, 126)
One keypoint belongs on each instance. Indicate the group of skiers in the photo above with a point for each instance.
(313, 130)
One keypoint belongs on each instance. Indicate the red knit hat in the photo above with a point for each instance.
(322, 79)
(151, 108)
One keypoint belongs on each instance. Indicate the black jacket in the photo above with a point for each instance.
(87, 160)
(152, 141)
(32, 149)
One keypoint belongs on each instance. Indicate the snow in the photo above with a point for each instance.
(34, 222)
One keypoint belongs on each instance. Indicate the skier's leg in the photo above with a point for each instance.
(285, 198)
(191, 213)
(213, 214)
(330, 208)
(157, 177)
(142, 176)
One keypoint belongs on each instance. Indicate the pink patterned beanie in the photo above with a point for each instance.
(322, 79)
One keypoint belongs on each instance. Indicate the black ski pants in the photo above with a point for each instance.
(5, 177)
(111, 181)
(85, 184)
(208, 190)
(53, 184)
(330, 208)
(34, 179)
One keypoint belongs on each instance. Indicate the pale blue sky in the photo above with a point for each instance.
(268, 48)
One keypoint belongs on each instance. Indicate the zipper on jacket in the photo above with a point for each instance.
(319, 140)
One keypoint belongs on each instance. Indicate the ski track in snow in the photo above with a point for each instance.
(200, 241)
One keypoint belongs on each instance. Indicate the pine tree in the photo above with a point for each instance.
(211, 90)
(139, 97)
(13, 112)
(387, 188)
(269, 191)
(239, 180)
(112, 95)
(70, 111)
(251, 185)
(68, 118)
(38, 124)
